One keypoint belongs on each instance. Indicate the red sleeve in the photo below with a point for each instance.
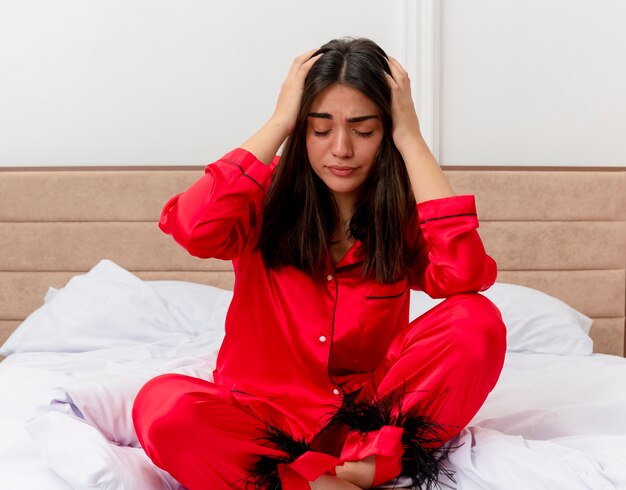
(218, 215)
(451, 257)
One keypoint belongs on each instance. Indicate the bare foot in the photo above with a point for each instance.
(328, 482)
(360, 473)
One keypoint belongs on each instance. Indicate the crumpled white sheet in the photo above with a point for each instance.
(552, 422)
(81, 455)
(488, 459)
(85, 400)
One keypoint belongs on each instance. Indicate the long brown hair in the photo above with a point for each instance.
(300, 213)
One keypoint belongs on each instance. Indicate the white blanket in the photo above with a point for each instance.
(555, 420)
(551, 422)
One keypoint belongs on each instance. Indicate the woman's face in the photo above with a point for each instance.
(343, 134)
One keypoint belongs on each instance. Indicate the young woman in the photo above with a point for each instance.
(321, 381)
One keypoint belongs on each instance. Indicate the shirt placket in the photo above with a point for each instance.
(326, 338)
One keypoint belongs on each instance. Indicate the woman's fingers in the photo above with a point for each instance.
(301, 60)
(399, 81)
(288, 103)
(306, 66)
(306, 55)
(398, 73)
(392, 83)
(404, 117)
(300, 67)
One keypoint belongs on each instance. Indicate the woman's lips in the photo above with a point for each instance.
(341, 171)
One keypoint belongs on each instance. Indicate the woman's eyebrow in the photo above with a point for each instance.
(362, 118)
(320, 115)
(326, 115)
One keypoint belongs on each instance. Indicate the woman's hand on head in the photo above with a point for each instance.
(288, 103)
(405, 122)
(266, 141)
(427, 179)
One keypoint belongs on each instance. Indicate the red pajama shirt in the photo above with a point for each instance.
(296, 345)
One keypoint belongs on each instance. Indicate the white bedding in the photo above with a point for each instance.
(554, 421)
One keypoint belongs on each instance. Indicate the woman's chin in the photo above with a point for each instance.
(343, 185)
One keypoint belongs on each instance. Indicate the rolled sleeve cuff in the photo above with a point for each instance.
(385, 444)
(445, 207)
(306, 468)
(251, 166)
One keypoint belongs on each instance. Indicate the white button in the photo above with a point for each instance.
(329, 277)
(335, 391)
(322, 338)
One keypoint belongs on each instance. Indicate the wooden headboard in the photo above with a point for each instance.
(559, 230)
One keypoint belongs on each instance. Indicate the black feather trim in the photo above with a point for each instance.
(425, 454)
(264, 472)
(366, 414)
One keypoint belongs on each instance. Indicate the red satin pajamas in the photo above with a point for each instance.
(297, 350)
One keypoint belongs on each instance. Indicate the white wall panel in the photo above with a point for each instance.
(151, 82)
(533, 82)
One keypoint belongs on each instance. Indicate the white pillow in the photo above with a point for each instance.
(197, 307)
(538, 322)
(106, 307)
(109, 306)
(535, 321)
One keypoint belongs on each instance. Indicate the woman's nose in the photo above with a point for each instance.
(342, 145)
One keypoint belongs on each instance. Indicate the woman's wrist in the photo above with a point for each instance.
(427, 179)
(266, 141)
(281, 126)
(411, 144)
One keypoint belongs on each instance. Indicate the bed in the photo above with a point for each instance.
(94, 300)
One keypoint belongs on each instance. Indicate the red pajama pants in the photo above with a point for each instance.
(445, 363)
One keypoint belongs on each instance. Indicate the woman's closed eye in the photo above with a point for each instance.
(364, 134)
(319, 134)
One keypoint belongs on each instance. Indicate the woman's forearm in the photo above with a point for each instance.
(266, 141)
(427, 179)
